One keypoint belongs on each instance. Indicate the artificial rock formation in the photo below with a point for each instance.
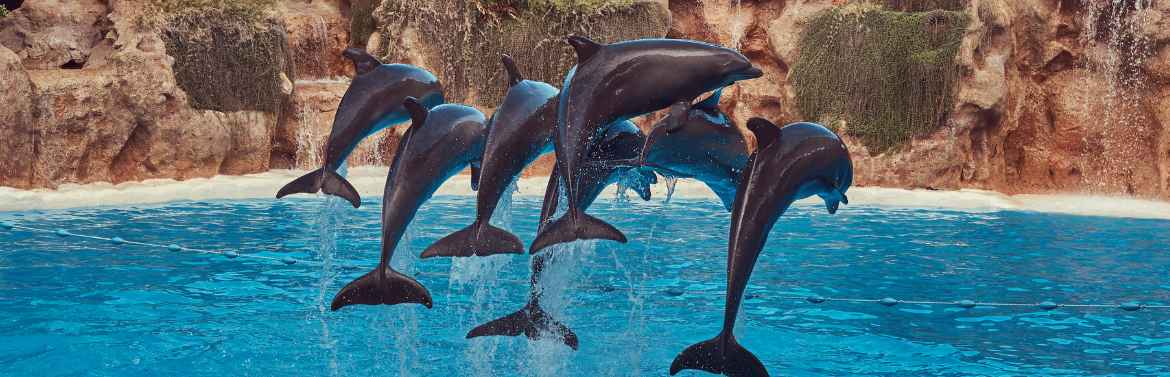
(1049, 95)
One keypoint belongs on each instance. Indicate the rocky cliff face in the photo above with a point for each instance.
(1048, 95)
(1053, 95)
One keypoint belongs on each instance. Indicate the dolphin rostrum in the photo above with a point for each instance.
(438, 145)
(520, 131)
(616, 82)
(621, 141)
(791, 163)
(372, 102)
(704, 145)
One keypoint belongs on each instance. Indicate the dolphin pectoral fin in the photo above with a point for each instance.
(530, 321)
(766, 132)
(572, 227)
(475, 169)
(307, 184)
(711, 103)
(476, 240)
(678, 116)
(335, 184)
(585, 47)
(711, 356)
(382, 286)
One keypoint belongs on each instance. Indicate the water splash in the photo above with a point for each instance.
(331, 215)
(404, 328)
(671, 184)
(480, 276)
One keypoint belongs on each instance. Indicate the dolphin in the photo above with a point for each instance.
(616, 82)
(372, 102)
(704, 144)
(521, 130)
(791, 163)
(621, 141)
(438, 145)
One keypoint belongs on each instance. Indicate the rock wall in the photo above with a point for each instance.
(1054, 95)
(1051, 95)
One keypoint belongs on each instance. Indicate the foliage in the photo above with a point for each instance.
(564, 6)
(361, 21)
(227, 61)
(3, 11)
(887, 75)
(469, 40)
(252, 9)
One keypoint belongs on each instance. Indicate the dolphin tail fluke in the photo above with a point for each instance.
(572, 227)
(722, 355)
(382, 286)
(306, 184)
(476, 240)
(335, 184)
(321, 180)
(529, 322)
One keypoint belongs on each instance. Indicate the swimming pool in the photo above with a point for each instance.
(84, 307)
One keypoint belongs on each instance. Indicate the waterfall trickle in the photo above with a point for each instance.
(737, 26)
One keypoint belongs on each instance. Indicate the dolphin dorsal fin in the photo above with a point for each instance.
(418, 112)
(677, 117)
(363, 62)
(766, 132)
(585, 47)
(514, 76)
(711, 103)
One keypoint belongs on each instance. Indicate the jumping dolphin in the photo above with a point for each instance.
(615, 82)
(703, 145)
(520, 131)
(621, 141)
(372, 102)
(791, 163)
(438, 145)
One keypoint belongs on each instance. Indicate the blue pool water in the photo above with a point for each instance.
(71, 306)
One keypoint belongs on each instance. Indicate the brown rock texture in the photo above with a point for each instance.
(1054, 95)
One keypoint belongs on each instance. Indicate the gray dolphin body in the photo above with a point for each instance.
(703, 145)
(521, 130)
(794, 162)
(438, 145)
(616, 82)
(372, 102)
(621, 141)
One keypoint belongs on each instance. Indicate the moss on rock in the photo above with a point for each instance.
(228, 60)
(361, 21)
(887, 75)
(467, 40)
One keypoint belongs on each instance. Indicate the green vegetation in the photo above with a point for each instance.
(226, 60)
(3, 11)
(249, 9)
(361, 21)
(469, 39)
(924, 5)
(885, 75)
(567, 6)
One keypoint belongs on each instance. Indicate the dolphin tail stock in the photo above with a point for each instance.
(476, 240)
(721, 355)
(322, 180)
(382, 286)
(576, 226)
(529, 321)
